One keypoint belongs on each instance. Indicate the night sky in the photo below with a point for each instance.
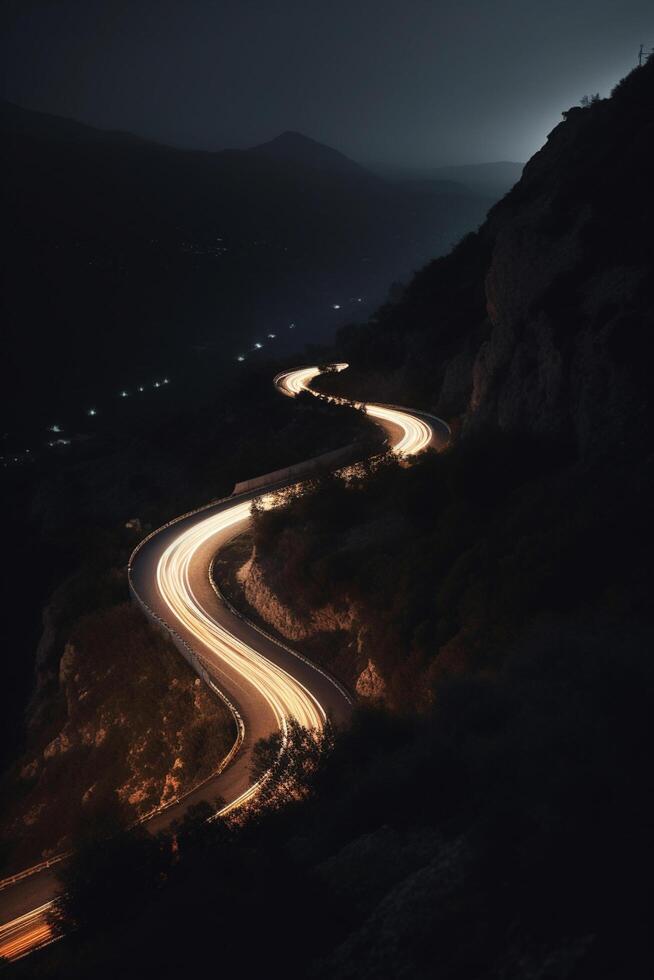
(408, 82)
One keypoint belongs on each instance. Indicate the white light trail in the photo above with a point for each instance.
(286, 697)
(416, 433)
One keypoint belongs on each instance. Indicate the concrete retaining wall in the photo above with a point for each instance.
(333, 459)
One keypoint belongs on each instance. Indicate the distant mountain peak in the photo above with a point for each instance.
(293, 147)
(291, 137)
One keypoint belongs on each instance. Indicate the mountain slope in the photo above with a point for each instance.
(294, 148)
(493, 179)
(542, 321)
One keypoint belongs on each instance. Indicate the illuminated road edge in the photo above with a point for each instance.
(282, 694)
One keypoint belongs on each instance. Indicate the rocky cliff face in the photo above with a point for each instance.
(566, 290)
(339, 631)
(124, 726)
(542, 320)
(258, 594)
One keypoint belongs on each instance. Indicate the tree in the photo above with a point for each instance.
(107, 878)
(287, 769)
(588, 100)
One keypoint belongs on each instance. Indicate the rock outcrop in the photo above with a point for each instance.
(542, 320)
(370, 684)
(260, 596)
(128, 725)
(333, 636)
(566, 292)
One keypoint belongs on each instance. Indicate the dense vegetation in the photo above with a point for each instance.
(444, 564)
(505, 833)
(127, 728)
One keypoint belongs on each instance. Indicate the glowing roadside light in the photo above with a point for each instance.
(291, 326)
(166, 381)
(123, 394)
(157, 384)
(258, 346)
(55, 428)
(359, 299)
(336, 306)
(240, 358)
(272, 335)
(91, 411)
(141, 388)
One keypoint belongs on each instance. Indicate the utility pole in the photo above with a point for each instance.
(640, 57)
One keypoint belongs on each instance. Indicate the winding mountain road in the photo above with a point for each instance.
(263, 682)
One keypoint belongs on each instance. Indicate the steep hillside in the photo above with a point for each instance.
(533, 338)
(125, 727)
(542, 320)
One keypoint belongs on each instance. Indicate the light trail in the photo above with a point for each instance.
(283, 693)
(275, 689)
(416, 432)
(26, 933)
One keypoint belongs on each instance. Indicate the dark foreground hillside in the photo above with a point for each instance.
(491, 818)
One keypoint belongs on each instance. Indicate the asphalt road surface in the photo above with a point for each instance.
(263, 682)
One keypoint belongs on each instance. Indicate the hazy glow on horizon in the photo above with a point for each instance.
(413, 84)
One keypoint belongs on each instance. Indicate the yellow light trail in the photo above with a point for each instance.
(284, 694)
(416, 433)
(26, 933)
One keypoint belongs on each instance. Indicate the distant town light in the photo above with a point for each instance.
(91, 411)
(291, 326)
(157, 384)
(141, 388)
(272, 335)
(123, 394)
(55, 428)
(240, 358)
(359, 299)
(166, 381)
(336, 306)
(258, 345)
